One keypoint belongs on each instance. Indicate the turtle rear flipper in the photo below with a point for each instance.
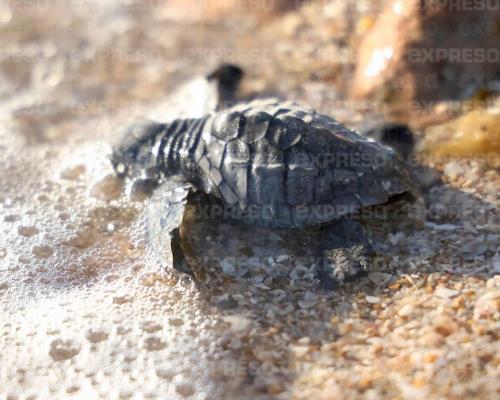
(397, 136)
(345, 251)
(226, 78)
(165, 214)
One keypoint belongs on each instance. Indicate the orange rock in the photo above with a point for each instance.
(476, 132)
(444, 325)
(421, 52)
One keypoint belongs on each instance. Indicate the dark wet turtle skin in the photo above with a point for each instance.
(268, 163)
(397, 136)
(288, 166)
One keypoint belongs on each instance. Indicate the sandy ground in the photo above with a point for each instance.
(87, 312)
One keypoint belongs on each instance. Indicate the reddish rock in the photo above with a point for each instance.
(427, 51)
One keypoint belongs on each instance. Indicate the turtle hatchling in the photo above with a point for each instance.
(267, 163)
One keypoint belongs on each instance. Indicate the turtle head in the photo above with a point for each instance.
(134, 154)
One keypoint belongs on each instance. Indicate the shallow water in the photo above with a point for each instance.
(82, 304)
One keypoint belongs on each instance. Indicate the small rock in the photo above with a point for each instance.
(176, 322)
(444, 325)
(299, 272)
(396, 238)
(304, 340)
(227, 302)
(96, 335)
(154, 343)
(43, 251)
(11, 218)
(61, 350)
(165, 373)
(453, 169)
(151, 326)
(446, 293)
(494, 282)
(441, 227)
(185, 389)
(275, 387)
(82, 240)
(431, 339)
(238, 322)
(472, 250)
(345, 328)
(121, 299)
(27, 231)
(406, 310)
(309, 300)
(487, 305)
(282, 269)
(379, 278)
(125, 394)
(72, 388)
(300, 351)
(282, 258)
(228, 267)
(372, 299)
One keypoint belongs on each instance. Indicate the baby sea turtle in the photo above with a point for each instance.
(266, 163)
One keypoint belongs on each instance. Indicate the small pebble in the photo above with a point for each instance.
(238, 322)
(453, 169)
(227, 302)
(96, 335)
(487, 305)
(61, 350)
(309, 300)
(154, 343)
(406, 310)
(372, 299)
(446, 293)
(282, 258)
(43, 251)
(379, 278)
(121, 299)
(27, 231)
(228, 267)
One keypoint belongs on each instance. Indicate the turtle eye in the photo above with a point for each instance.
(120, 167)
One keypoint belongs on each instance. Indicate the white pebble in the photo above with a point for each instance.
(282, 258)
(453, 169)
(446, 293)
(372, 299)
(406, 310)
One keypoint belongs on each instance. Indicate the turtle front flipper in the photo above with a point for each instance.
(165, 214)
(345, 251)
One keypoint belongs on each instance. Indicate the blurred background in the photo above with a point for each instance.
(426, 63)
